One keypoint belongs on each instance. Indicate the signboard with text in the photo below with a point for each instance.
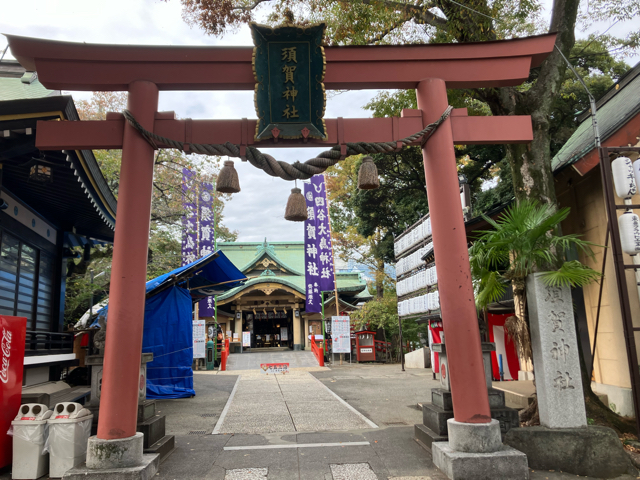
(246, 339)
(341, 334)
(199, 339)
(274, 368)
(289, 66)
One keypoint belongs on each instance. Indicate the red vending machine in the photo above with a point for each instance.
(13, 331)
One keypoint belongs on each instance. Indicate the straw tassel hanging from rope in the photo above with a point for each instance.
(368, 175)
(228, 179)
(296, 210)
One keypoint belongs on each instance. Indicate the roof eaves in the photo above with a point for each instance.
(255, 281)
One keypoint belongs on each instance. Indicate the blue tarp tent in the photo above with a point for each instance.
(168, 334)
(168, 331)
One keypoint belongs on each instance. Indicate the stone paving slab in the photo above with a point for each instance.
(303, 404)
(261, 423)
(308, 396)
(268, 409)
(352, 471)
(312, 422)
(322, 408)
(247, 474)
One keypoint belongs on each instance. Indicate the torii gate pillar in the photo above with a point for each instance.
(475, 441)
(468, 384)
(121, 378)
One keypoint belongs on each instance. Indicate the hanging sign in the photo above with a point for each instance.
(289, 66)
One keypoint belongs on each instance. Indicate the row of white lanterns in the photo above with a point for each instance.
(412, 261)
(422, 279)
(420, 304)
(414, 236)
(626, 177)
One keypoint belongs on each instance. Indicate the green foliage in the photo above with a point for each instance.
(382, 313)
(383, 212)
(79, 287)
(600, 70)
(523, 240)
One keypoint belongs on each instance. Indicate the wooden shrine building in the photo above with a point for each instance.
(51, 200)
(273, 301)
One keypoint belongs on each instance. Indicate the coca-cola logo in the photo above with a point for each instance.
(6, 355)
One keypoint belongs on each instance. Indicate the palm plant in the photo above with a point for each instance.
(525, 239)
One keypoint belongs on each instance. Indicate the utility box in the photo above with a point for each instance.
(69, 431)
(365, 346)
(30, 432)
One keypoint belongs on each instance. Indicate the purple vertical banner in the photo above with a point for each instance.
(207, 238)
(190, 218)
(323, 234)
(312, 270)
(318, 257)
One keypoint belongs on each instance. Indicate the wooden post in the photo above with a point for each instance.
(121, 377)
(462, 336)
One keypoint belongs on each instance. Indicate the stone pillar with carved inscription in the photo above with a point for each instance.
(555, 355)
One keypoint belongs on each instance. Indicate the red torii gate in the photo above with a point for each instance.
(144, 70)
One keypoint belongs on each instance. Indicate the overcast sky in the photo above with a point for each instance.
(258, 210)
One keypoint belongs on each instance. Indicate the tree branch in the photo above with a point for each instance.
(250, 7)
(419, 13)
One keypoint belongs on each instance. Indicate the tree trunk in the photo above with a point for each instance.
(379, 278)
(387, 350)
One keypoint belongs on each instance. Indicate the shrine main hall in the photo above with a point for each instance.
(271, 304)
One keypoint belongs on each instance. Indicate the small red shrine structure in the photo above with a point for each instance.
(145, 70)
(365, 346)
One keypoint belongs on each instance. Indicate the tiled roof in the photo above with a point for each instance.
(14, 89)
(614, 109)
(289, 255)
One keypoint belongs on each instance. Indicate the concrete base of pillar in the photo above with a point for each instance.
(297, 347)
(474, 437)
(475, 451)
(506, 463)
(116, 453)
(145, 471)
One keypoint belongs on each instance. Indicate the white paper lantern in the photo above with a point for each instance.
(629, 224)
(636, 171)
(624, 178)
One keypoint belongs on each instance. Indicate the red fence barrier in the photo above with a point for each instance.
(317, 351)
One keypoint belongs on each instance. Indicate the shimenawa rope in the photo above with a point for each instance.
(278, 168)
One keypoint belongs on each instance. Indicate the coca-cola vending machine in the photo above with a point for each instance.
(13, 331)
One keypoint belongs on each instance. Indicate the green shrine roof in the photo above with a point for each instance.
(17, 84)
(283, 262)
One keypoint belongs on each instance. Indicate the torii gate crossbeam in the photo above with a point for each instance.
(143, 71)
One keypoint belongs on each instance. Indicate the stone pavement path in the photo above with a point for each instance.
(249, 360)
(294, 402)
